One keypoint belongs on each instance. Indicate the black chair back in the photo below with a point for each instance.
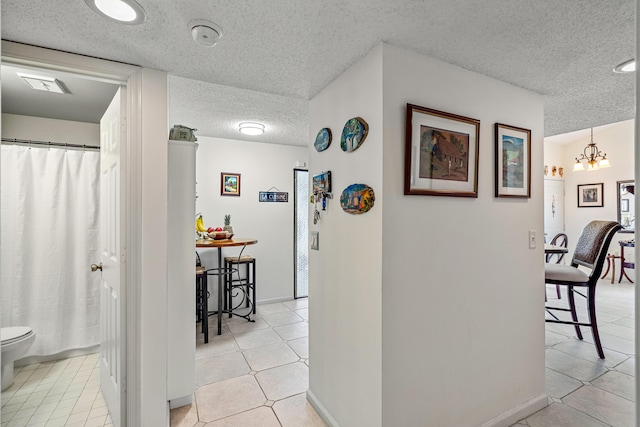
(593, 243)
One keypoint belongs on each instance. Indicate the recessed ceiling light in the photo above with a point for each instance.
(626, 67)
(252, 128)
(45, 84)
(204, 32)
(124, 11)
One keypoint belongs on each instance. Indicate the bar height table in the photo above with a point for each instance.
(219, 244)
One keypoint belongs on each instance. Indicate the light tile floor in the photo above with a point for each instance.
(59, 393)
(584, 390)
(254, 374)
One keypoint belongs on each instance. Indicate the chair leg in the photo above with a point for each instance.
(247, 294)
(558, 291)
(254, 286)
(572, 307)
(591, 302)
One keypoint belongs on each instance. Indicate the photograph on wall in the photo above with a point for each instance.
(513, 161)
(229, 184)
(441, 153)
(322, 183)
(590, 195)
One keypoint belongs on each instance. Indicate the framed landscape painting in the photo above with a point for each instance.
(441, 153)
(229, 184)
(590, 195)
(513, 161)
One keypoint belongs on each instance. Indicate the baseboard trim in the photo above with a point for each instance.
(180, 401)
(321, 410)
(273, 300)
(30, 360)
(514, 415)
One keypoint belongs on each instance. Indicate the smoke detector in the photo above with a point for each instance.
(204, 32)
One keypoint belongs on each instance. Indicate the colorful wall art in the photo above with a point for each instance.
(354, 133)
(323, 139)
(357, 199)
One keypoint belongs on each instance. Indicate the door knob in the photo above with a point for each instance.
(96, 267)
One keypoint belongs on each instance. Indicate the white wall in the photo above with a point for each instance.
(261, 166)
(616, 140)
(411, 322)
(41, 129)
(345, 275)
(462, 291)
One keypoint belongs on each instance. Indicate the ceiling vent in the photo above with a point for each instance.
(45, 84)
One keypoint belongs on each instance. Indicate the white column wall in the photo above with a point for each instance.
(462, 316)
(261, 166)
(345, 274)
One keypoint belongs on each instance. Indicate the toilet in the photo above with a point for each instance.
(16, 340)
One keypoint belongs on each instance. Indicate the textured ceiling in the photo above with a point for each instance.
(564, 50)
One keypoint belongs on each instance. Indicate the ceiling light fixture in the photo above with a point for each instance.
(626, 67)
(204, 32)
(595, 159)
(251, 128)
(123, 11)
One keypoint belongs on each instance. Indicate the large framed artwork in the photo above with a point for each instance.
(590, 195)
(441, 153)
(513, 161)
(229, 184)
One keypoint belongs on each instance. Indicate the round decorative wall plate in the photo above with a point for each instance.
(357, 199)
(354, 133)
(323, 139)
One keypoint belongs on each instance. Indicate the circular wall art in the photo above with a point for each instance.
(323, 139)
(357, 199)
(353, 134)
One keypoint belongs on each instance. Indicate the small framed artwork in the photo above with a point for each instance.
(315, 240)
(590, 195)
(322, 183)
(513, 161)
(441, 153)
(229, 184)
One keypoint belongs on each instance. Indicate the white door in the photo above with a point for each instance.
(112, 256)
(553, 208)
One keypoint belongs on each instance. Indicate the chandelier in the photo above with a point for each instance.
(594, 158)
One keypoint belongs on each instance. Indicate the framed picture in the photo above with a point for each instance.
(322, 183)
(441, 153)
(624, 205)
(590, 195)
(229, 184)
(513, 161)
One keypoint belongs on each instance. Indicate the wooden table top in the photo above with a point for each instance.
(223, 243)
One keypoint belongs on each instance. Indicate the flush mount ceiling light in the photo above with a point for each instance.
(124, 11)
(252, 128)
(204, 32)
(45, 84)
(626, 67)
(594, 158)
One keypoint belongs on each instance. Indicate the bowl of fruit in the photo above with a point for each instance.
(218, 234)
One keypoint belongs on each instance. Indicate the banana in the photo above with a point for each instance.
(200, 225)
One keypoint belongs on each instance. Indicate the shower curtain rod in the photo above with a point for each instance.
(50, 144)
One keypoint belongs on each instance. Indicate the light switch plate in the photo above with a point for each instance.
(533, 240)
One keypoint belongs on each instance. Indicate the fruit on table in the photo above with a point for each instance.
(200, 225)
(218, 229)
(210, 230)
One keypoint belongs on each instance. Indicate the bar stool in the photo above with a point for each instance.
(202, 297)
(241, 285)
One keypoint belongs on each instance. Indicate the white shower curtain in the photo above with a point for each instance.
(50, 216)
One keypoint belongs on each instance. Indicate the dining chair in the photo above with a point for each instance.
(561, 240)
(590, 252)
